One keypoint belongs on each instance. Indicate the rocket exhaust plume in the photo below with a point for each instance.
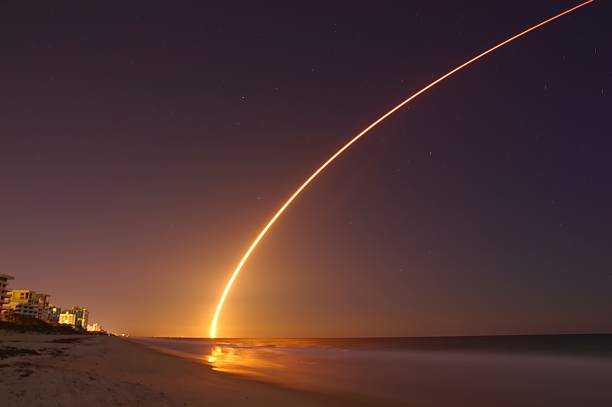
(262, 233)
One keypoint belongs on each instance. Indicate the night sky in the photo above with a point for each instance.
(142, 147)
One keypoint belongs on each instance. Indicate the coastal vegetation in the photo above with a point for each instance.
(34, 325)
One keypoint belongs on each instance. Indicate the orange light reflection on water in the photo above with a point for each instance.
(249, 361)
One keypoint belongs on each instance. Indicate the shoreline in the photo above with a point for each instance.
(584, 345)
(74, 370)
(522, 370)
(322, 397)
(71, 370)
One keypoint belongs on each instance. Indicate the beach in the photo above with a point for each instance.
(64, 370)
(75, 370)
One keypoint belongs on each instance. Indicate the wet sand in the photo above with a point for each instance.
(60, 370)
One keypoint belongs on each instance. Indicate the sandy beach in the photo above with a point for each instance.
(62, 370)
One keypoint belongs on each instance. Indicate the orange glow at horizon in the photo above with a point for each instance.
(262, 233)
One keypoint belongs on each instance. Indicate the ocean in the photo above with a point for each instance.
(543, 370)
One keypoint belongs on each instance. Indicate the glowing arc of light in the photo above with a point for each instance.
(262, 233)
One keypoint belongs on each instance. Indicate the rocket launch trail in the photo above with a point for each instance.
(315, 174)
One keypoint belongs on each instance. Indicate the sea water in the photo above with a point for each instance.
(554, 370)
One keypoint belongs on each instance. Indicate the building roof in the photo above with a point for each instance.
(6, 277)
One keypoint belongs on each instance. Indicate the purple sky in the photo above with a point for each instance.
(144, 146)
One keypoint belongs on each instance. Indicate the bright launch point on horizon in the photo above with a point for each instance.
(262, 233)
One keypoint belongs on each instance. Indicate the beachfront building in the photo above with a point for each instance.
(82, 316)
(95, 327)
(54, 313)
(67, 318)
(4, 279)
(27, 303)
(76, 316)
